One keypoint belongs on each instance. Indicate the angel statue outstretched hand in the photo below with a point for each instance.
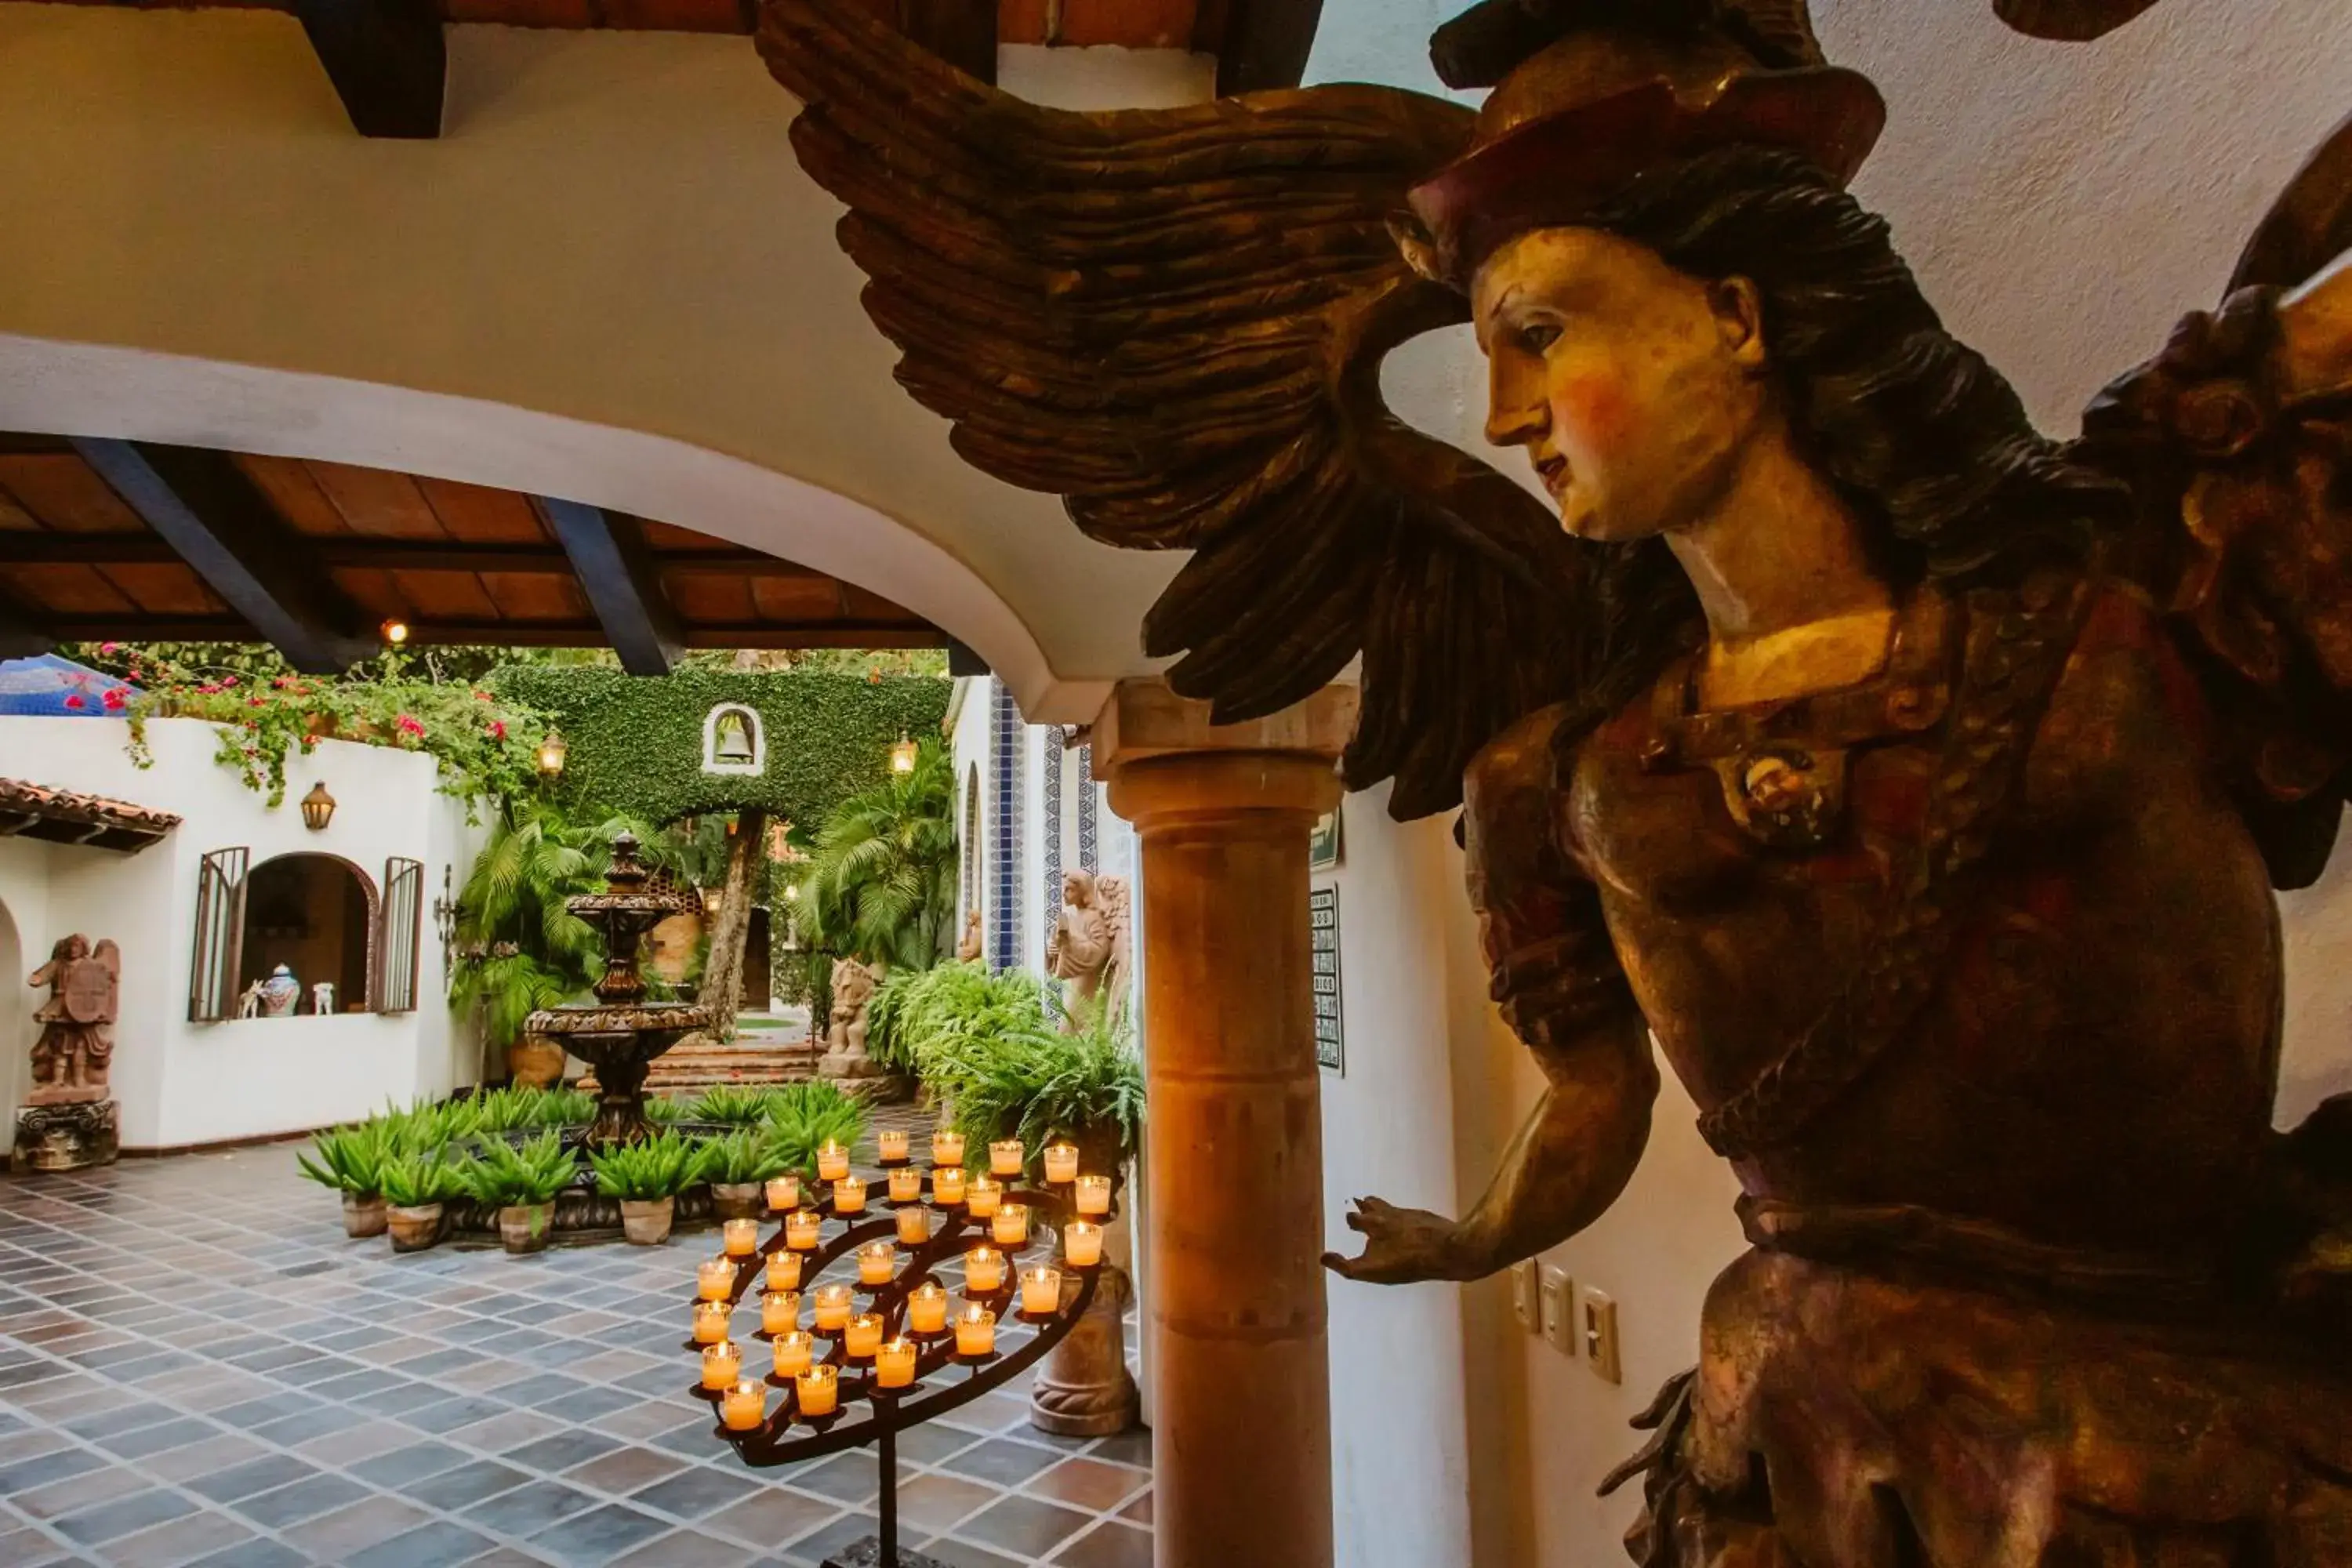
(1918, 783)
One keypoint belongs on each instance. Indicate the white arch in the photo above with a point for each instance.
(87, 389)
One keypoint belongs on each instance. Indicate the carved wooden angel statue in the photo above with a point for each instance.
(76, 1042)
(1920, 783)
(1087, 946)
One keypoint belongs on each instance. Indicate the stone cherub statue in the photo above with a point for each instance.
(76, 1042)
(1089, 944)
(967, 948)
(1919, 783)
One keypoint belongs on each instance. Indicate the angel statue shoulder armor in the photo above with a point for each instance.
(1916, 786)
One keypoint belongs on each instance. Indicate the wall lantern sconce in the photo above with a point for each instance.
(395, 631)
(902, 755)
(550, 754)
(318, 807)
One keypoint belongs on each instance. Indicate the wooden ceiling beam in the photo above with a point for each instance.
(136, 628)
(622, 583)
(386, 61)
(45, 548)
(1259, 44)
(219, 521)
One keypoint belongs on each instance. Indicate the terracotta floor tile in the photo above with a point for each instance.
(768, 1518)
(1025, 1527)
(342, 1534)
(1107, 1545)
(938, 1501)
(1087, 1484)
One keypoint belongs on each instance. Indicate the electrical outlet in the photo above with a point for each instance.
(1524, 1304)
(1558, 1311)
(1596, 1317)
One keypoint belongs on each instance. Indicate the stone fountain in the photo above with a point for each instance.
(620, 1033)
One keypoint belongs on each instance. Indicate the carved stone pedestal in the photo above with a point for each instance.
(67, 1135)
(1084, 1390)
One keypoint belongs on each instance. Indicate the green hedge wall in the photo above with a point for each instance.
(635, 743)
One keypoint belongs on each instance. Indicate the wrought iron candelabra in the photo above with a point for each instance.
(876, 1370)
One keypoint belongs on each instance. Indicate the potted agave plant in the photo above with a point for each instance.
(647, 1179)
(738, 1166)
(350, 1161)
(416, 1187)
(521, 1184)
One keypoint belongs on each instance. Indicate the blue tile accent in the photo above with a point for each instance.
(1090, 850)
(1004, 941)
(1054, 734)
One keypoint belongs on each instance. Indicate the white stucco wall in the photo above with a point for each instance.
(179, 1082)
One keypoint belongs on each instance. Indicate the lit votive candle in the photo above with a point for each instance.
(722, 1363)
(1061, 1161)
(914, 1226)
(742, 1239)
(1082, 1243)
(875, 1261)
(792, 1352)
(830, 1307)
(780, 1312)
(714, 1278)
(947, 1186)
(848, 1195)
(784, 1271)
(906, 1186)
(1010, 1226)
(983, 1197)
(863, 1337)
(804, 1228)
(1094, 1195)
(946, 1148)
(783, 1193)
(745, 1406)
(892, 1145)
(1041, 1289)
(983, 1269)
(831, 1163)
(927, 1309)
(710, 1322)
(894, 1364)
(1004, 1158)
(819, 1388)
(975, 1331)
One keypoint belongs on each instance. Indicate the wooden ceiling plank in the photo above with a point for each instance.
(446, 596)
(61, 492)
(386, 61)
(205, 507)
(618, 574)
(1129, 24)
(164, 590)
(68, 589)
(294, 492)
(377, 502)
(537, 596)
(478, 514)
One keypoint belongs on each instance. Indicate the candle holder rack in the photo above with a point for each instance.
(944, 1379)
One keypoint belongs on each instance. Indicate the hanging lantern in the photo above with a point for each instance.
(902, 755)
(318, 807)
(395, 631)
(550, 754)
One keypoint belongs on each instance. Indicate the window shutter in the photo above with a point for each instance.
(404, 891)
(220, 936)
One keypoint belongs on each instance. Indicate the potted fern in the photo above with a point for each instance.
(521, 1184)
(645, 1178)
(416, 1187)
(350, 1161)
(738, 1166)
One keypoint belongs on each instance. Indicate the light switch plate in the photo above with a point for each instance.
(1559, 1310)
(1596, 1317)
(1524, 1304)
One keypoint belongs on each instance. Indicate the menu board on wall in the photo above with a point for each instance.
(1323, 923)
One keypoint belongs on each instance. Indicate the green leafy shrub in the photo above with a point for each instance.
(660, 1167)
(532, 1173)
(1042, 1085)
(350, 1159)
(919, 1015)
(749, 1154)
(735, 1104)
(662, 1108)
(881, 883)
(411, 1181)
(427, 1127)
(804, 1117)
(564, 1107)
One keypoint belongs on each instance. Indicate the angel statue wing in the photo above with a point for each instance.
(2238, 441)
(1174, 319)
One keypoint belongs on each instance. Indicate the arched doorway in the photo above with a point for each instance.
(314, 914)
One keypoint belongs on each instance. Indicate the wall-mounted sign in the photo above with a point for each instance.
(1323, 925)
(1323, 846)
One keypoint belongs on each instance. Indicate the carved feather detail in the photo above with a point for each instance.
(1174, 319)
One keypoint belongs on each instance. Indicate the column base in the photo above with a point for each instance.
(70, 1137)
(868, 1554)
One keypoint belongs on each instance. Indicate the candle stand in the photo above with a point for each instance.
(944, 1378)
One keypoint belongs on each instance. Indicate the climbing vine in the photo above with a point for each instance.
(634, 744)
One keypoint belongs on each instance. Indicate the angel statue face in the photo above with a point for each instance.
(1636, 389)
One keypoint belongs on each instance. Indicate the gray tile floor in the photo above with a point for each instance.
(197, 1366)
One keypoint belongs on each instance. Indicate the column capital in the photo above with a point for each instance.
(1164, 760)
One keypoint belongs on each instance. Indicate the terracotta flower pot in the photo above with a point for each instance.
(647, 1221)
(738, 1200)
(523, 1227)
(364, 1214)
(534, 1061)
(414, 1230)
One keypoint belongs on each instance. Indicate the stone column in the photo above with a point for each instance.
(1241, 1449)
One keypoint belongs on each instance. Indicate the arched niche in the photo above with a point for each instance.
(734, 741)
(315, 914)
